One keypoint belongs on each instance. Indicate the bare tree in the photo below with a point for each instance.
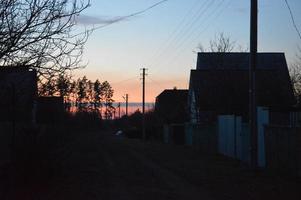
(41, 34)
(221, 43)
(295, 73)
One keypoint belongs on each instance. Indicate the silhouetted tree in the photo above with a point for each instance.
(47, 88)
(85, 93)
(108, 99)
(295, 73)
(73, 91)
(81, 91)
(63, 85)
(90, 93)
(98, 93)
(41, 33)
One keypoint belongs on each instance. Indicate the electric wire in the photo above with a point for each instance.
(122, 18)
(125, 80)
(193, 28)
(175, 33)
(216, 14)
(196, 17)
(160, 86)
(293, 18)
(131, 15)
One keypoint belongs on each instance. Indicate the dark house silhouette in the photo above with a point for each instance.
(18, 92)
(220, 84)
(171, 106)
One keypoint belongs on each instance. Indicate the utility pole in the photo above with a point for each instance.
(143, 104)
(252, 82)
(13, 105)
(119, 110)
(126, 98)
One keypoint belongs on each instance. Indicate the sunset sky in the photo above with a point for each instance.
(164, 38)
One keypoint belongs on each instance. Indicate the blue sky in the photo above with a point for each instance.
(164, 38)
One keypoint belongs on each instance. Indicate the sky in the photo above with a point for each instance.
(164, 39)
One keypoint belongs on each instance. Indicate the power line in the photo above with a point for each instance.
(131, 15)
(192, 26)
(190, 34)
(160, 86)
(175, 33)
(214, 15)
(187, 28)
(125, 80)
(293, 19)
(89, 31)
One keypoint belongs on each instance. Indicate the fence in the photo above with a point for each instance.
(285, 116)
(203, 137)
(234, 136)
(283, 149)
(174, 134)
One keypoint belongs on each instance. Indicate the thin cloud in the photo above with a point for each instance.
(126, 17)
(97, 20)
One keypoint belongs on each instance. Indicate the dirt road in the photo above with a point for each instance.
(102, 166)
(105, 167)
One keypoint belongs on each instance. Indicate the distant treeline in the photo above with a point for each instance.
(81, 94)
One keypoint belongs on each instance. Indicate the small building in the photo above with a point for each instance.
(171, 106)
(171, 111)
(18, 92)
(220, 85)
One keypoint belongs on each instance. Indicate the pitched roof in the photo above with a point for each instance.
(171, 105)
(240, 61)
(171, 94)
(224, 85)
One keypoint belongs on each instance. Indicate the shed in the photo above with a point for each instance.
(171, 106)
(18, 91)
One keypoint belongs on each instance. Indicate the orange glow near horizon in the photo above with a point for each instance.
(132, 85)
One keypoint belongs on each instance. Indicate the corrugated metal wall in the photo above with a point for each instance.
(234, 136)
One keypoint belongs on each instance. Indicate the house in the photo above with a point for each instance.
(220, 85)
(171, 106)
(171, 111)
(18, 92)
